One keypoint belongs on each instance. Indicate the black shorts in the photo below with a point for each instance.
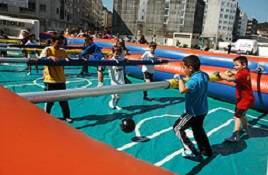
(55, 86)
(148, 76)
(240, 112)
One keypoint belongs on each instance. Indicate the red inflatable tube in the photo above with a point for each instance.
(32, 143)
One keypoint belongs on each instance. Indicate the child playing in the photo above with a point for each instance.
(54, 78)
(148, 70)
(117, 76)
(196, 108)
(244, 95)
(92, 51)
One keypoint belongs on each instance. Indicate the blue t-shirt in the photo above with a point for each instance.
(196, 102)
(92, 52)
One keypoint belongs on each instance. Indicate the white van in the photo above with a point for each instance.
(246, 46)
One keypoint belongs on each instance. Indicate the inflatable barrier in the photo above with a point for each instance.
(211, 62)
(206, 58)
(33, 142)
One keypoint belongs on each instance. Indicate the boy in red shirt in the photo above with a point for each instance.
(244, 94)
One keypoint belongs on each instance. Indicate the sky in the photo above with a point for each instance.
(254, 8)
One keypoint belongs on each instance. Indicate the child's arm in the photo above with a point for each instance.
(144, 56)
(228, 75)
(182, 88)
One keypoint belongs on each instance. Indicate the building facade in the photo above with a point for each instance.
(158, 17)
(125, 15)
(252, 27)
(107, 19)
(220, 19)
(241, 24)
(58, 14)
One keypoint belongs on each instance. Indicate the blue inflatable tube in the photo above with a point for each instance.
(178, 55)
(216, 90)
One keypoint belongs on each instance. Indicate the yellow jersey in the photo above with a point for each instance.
(54, 74)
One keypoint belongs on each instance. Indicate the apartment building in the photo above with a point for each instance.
(57, 14)
(125, 15)
(242, 24)
(158, 17)
(252, 27)
(219, 20)
(107, 18)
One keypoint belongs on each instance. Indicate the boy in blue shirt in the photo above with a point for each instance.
(196, 108)
(92, 52)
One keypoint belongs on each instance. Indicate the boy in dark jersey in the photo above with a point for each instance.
(92, 52)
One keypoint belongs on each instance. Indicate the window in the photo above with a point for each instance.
(43, 8)
(3, 6)
(31, 7)
(166, 11)
(178, 35)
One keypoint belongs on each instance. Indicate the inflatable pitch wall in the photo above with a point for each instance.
(210, 62)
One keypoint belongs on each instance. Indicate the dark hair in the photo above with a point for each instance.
(57, 37)
(116, 48)
(193, 61)
(152, 44)
(86, 36)
(242, 59)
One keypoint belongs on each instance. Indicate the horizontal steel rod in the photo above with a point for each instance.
(61, 95)
(77, 62)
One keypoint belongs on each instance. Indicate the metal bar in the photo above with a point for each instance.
(77, 62)
(69, 51)
(13, 60)
(35, 46)
(11, 49)
(61, 95)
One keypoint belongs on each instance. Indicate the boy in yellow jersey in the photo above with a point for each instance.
(54, 78)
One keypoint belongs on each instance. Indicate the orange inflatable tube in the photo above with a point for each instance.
(34, 143)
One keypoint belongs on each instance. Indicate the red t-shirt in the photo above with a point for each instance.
(244, 93)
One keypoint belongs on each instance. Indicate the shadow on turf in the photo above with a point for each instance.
(227, 148)
(146, 108)
(105, 118)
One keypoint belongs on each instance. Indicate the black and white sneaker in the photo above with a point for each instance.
(235, 137)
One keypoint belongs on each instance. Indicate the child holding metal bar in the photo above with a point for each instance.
(54, 78)
(92, 52)
(244, 95)
(196, 109)
(121, 43)
(148, 70)
(116, 74)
